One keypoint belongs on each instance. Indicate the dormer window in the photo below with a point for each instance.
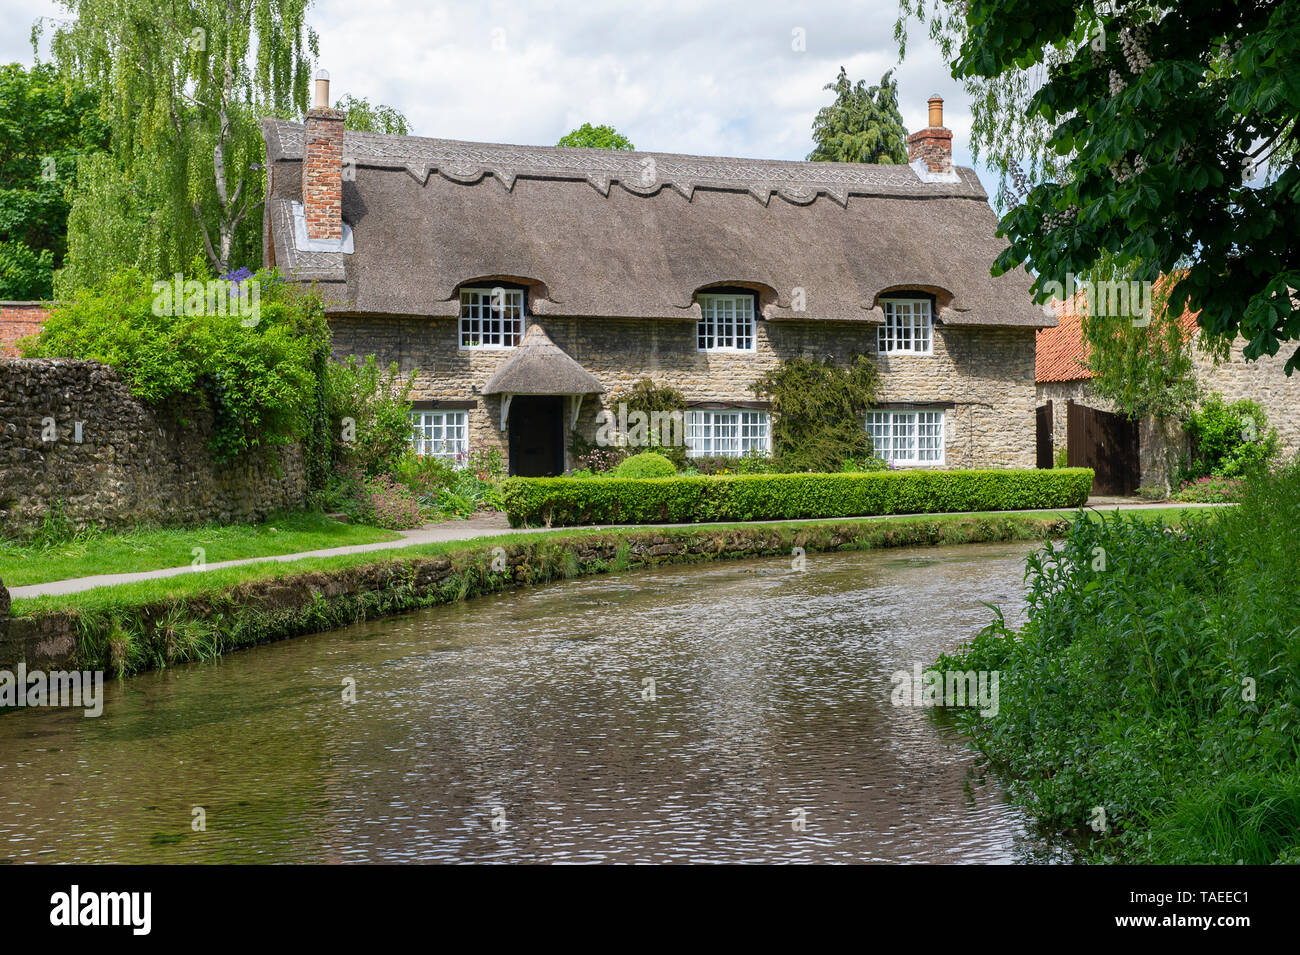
(908, 327)
(491, 317)
(726, 321)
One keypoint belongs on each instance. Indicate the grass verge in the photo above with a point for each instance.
(125, 552)
(153, 623)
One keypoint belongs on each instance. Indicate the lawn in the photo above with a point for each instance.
(129, 595)
(124, 552)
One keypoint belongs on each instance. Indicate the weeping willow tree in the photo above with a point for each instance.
(183, 85)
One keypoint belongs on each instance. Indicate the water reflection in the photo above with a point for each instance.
(771, 695)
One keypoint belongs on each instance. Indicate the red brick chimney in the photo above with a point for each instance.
(322, 166)
(933, 144)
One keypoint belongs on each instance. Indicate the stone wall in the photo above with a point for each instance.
(71, 432)
(985, 374)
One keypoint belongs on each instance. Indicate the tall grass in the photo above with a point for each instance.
(1157, 678)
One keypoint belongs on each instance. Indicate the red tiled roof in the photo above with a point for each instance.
(1061, 354)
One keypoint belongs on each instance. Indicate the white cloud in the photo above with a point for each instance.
(695, 76)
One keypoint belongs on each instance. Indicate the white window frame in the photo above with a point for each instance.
(439, 433)
(908, 437)
(727, 432)
(726, 317)
(908, 328)
(488, 326)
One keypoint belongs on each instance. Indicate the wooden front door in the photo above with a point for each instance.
(536, 435)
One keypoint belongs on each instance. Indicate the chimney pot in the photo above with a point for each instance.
(936, 111)
(322, 90)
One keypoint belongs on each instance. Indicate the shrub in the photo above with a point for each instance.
(598, 460)
(391, 504)
(647, 464)
(370, 413)
(817, 411)
(260, 379)
(751, 462)
(566, 501)
(1211, 490)
(1229, 440)
(1156, 676)
(648, 398)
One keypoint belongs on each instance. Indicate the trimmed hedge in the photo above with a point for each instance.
(530, 502)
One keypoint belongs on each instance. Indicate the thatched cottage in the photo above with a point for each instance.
(525, 286)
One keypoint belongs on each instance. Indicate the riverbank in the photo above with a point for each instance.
(162, 621)
(1150, 704)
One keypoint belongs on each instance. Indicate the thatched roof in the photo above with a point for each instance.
(606, 233)
(541, 367)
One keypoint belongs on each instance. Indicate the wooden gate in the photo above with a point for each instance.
(1044, 435)
(1107, 443)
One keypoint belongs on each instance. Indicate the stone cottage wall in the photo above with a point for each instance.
(131, 465)
(987, 374)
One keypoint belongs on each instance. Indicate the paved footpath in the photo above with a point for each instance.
(483, 526)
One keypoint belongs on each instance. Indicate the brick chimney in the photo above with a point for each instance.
(322, 166)
(932, 145)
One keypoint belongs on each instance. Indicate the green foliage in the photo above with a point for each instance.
(1161, 135)
(46, 123)
(596, 137)
(1156, 676)
(751, 462)
(648, 397)
(817, 411)
(369, 414)
(1061, 458)
(647, 464)
(363, 117)
(445, 489)
(260, 381)
(862, 125)
(183, 91)
(1229, 440)
(1142, 369)
(757, 497)
(1211, 490)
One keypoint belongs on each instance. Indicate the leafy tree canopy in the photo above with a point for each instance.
(363, 117)
(183, 88)
(1161, 135)
(596, 137)
(46, 123)
(862, 125)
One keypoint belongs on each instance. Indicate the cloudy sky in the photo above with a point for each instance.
(713, 77)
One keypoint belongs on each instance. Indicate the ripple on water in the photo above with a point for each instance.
(771, 698)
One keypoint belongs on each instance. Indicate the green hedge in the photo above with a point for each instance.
(531, 502)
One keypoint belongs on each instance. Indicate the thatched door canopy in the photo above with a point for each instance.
(541, 367)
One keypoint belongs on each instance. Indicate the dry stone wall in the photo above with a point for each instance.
(71, 432)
